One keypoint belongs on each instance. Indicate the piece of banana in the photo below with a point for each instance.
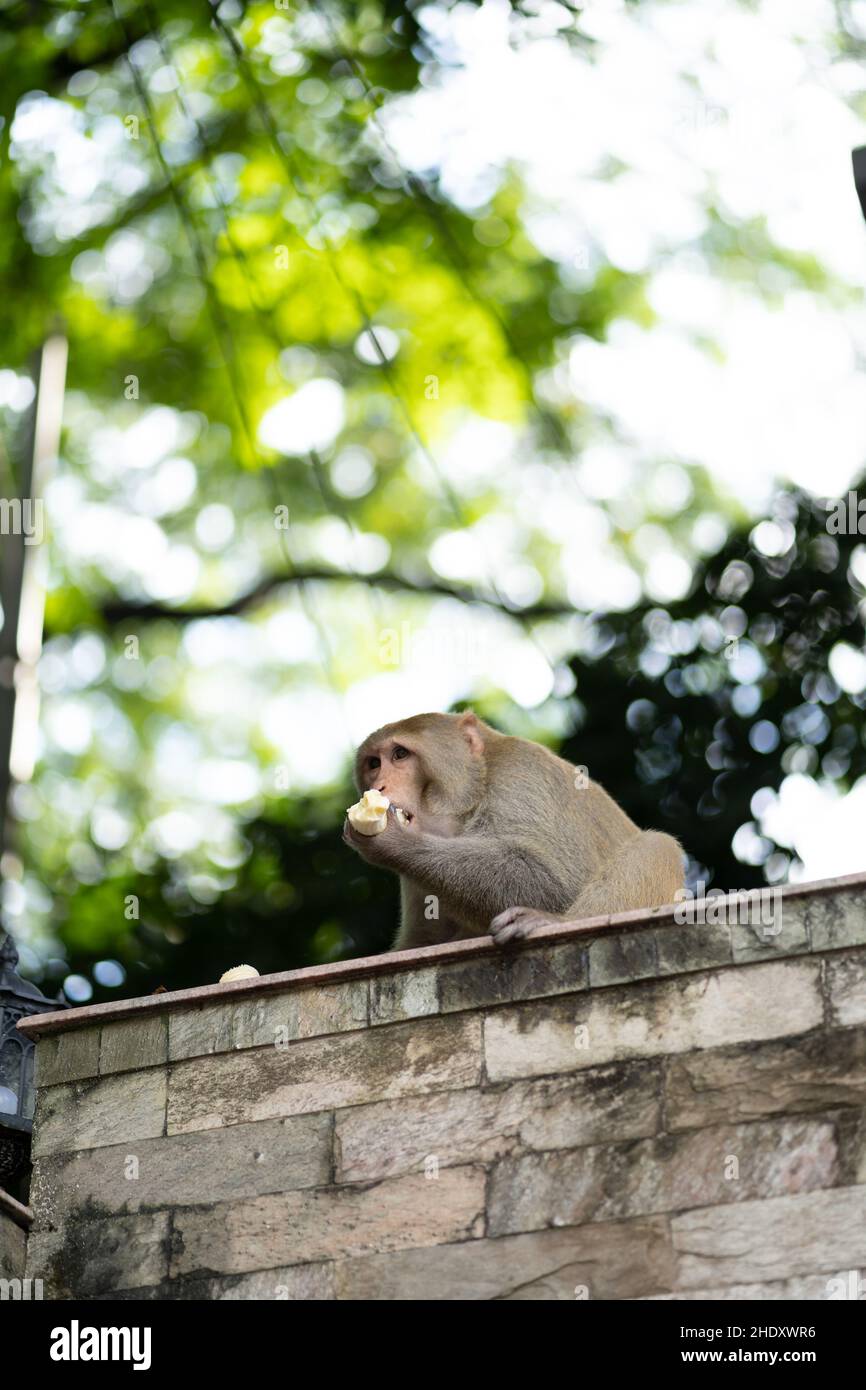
(370, 814)
(239, 972)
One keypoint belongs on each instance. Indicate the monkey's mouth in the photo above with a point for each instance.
(404, 817)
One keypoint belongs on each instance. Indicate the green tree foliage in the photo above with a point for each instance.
(209, 205)
(693, 715)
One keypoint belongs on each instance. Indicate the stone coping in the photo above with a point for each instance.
(21, 1215)
(66, 1020)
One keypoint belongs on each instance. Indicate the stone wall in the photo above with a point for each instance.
(632, 1109)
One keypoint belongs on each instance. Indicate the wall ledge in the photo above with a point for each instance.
(573, 1098)
(394, 962)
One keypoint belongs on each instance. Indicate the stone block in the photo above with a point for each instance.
(682, 947)
(313, 1283)
(409, 994)
(777, 1238)
(611, 1260)
(846, 986)
(768, 923)
(619, 957)
(808, 1288)
(242, 1161)
(303, 1227)
(653, 1019)
(133, 1044)
(68, 1056)
(325, 1073)
(702, 1168)
(395, 1137)
(233, 1025)
(105, 1110)
(836, 918)
(334, 1008)
(818, 1071)
(531, 973)
(88, 1258)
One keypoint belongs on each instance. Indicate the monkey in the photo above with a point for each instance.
(500, 835)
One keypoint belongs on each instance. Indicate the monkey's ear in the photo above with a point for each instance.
(469, 727)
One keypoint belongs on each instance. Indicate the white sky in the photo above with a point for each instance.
(767, 132)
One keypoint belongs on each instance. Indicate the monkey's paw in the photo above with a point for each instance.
(517, 922)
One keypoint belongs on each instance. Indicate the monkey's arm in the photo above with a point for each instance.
(480, 876)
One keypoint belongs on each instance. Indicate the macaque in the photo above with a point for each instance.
(499, 835)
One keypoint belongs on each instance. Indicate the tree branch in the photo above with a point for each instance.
(116, 612)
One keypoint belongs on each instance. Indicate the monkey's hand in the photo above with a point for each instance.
(387, 848)
(517, 922)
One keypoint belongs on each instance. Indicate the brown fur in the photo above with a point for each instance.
(502, 837)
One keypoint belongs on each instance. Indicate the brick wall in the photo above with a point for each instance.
(633, 1109)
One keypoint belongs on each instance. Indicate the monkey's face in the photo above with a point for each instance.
(429, 766)
(388, 766)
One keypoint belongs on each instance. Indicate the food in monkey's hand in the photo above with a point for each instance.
(369, 816)
(239, 972)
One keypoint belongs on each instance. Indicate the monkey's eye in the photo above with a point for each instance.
(373, 763)
(400, 752)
